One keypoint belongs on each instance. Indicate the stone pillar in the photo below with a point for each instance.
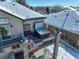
(25, 49)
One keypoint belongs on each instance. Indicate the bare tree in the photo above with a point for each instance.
(22, 2)
(56, 8)
(47, 10)
(31, 7)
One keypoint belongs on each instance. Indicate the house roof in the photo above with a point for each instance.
(18, 10)
(69, 18)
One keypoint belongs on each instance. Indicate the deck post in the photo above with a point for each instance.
(56, 45)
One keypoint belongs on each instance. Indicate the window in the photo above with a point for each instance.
(52, 30)
(16, 46)
(13, 47)
(1, 50)
(26, 27)
(5, 30)
(38, 24)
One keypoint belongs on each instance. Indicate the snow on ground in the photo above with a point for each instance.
(64, 52)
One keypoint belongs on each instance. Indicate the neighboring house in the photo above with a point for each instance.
(68, 22)
(15, 21)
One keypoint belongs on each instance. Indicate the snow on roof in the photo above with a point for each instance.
(18, 10)
(71, 23)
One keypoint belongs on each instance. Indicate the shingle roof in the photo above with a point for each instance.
(72, 21)
(18, 10)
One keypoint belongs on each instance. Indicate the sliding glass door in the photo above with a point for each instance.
(27, 29)
(38, 24)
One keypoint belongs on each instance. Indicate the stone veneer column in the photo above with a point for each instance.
(25, 48)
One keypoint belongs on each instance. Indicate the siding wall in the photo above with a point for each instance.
(72, 38)
(17, 26)
(6, 54)
(31, 22)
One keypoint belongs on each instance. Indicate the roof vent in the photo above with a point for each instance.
(55, 16)
(77, 21)
(65, 11)
(13, 3)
